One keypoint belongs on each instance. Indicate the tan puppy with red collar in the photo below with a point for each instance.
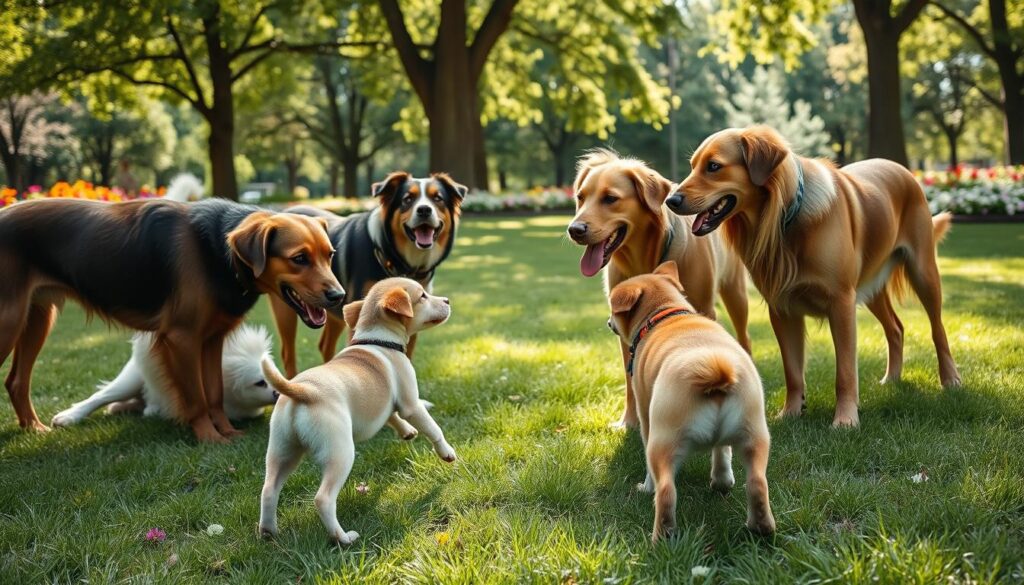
(695, 388)
(327, 409)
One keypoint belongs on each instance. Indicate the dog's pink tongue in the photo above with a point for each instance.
(424, 235)
(699, 221)
(593, 259)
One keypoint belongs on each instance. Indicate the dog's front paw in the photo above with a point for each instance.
(445, 451)
(266, 531)
(66, 418)
(646, 486)
(346, 538)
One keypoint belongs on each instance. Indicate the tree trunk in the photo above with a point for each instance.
(1013, 126)
(291, 167)
(350, 165)
(221, 117)
(885, 118)
(454, 134)
(1006, 57)
(951, 138)
(333, 175)
(371, 172)
(502, 180)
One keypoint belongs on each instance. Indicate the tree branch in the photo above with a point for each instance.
(201, 107)
(248, 66)
(183, 56)
(968, 28)
(494, 25)
(416, 67)
(251, 29)
(909, 14)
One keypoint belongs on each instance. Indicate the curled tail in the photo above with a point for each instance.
(898, 283)
(296, 392)
(713, 372)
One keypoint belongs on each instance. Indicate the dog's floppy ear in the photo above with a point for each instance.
(397, 301)
(763, 151)
(624, 297)
(457, 189)
(651, 187)
(386, 189)
(250, 241)
(351, 313)
(670, 270)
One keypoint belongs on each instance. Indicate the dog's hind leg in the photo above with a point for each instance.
(759, 510)
(29, 343)
(923, 272)
(336, 458)
(286, 321)
(283, 456)
(127, 385)
(881, 307)
(664, 455)
(179, 353)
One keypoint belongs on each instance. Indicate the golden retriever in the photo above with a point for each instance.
(817, 241)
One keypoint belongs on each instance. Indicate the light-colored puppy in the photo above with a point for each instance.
(817, 241)
(621, 219)
(141, 385)
(327, 409)
(695, 388)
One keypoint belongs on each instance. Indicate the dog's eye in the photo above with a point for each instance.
(579, 197)
(261, 384)
(609, 199)
(301, 259)
(438, 198)
(713, 166)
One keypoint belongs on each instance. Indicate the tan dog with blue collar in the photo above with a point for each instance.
(327, 409)
(695, 388)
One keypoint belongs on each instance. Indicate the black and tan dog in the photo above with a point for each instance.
(409, 235)
(187, 272)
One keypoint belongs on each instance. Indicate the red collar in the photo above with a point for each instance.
(654, 320)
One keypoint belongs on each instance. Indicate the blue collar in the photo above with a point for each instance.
(798, 200)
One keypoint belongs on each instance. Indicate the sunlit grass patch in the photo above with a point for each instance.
(526, 378)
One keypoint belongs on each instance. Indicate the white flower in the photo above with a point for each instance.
(214, 529)
(700, 571)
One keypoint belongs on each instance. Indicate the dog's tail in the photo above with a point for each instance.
(296, 392)
(713, 372)
(899, 283)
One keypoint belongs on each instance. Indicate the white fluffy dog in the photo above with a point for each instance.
(140, 385)
(184, 188)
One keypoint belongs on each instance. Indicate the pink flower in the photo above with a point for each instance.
(34, 189)
(155, 535)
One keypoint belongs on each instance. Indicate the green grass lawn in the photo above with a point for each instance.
(526, 378)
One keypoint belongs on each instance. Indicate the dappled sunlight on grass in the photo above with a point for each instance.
(525, 379)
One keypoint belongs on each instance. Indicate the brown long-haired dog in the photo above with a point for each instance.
(695, 388)
(189, 273)
(818, 240)
(620, 218)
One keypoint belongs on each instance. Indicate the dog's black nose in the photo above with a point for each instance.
(334, 296)
(577, 230)
(423, 211)
(675, 201)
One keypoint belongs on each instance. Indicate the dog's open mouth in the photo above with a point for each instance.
(423, 235)
(598, 255)
(313, 317)
(708, 220)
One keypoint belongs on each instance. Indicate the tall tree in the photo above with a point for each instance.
(447, 82)
(1003, 43)
(346, 122)
(26, 134)
(197, 51)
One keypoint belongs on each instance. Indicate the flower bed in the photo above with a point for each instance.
(77, 190)
(975, 191)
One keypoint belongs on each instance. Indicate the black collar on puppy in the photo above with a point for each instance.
(657, 318)
(379, 343)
